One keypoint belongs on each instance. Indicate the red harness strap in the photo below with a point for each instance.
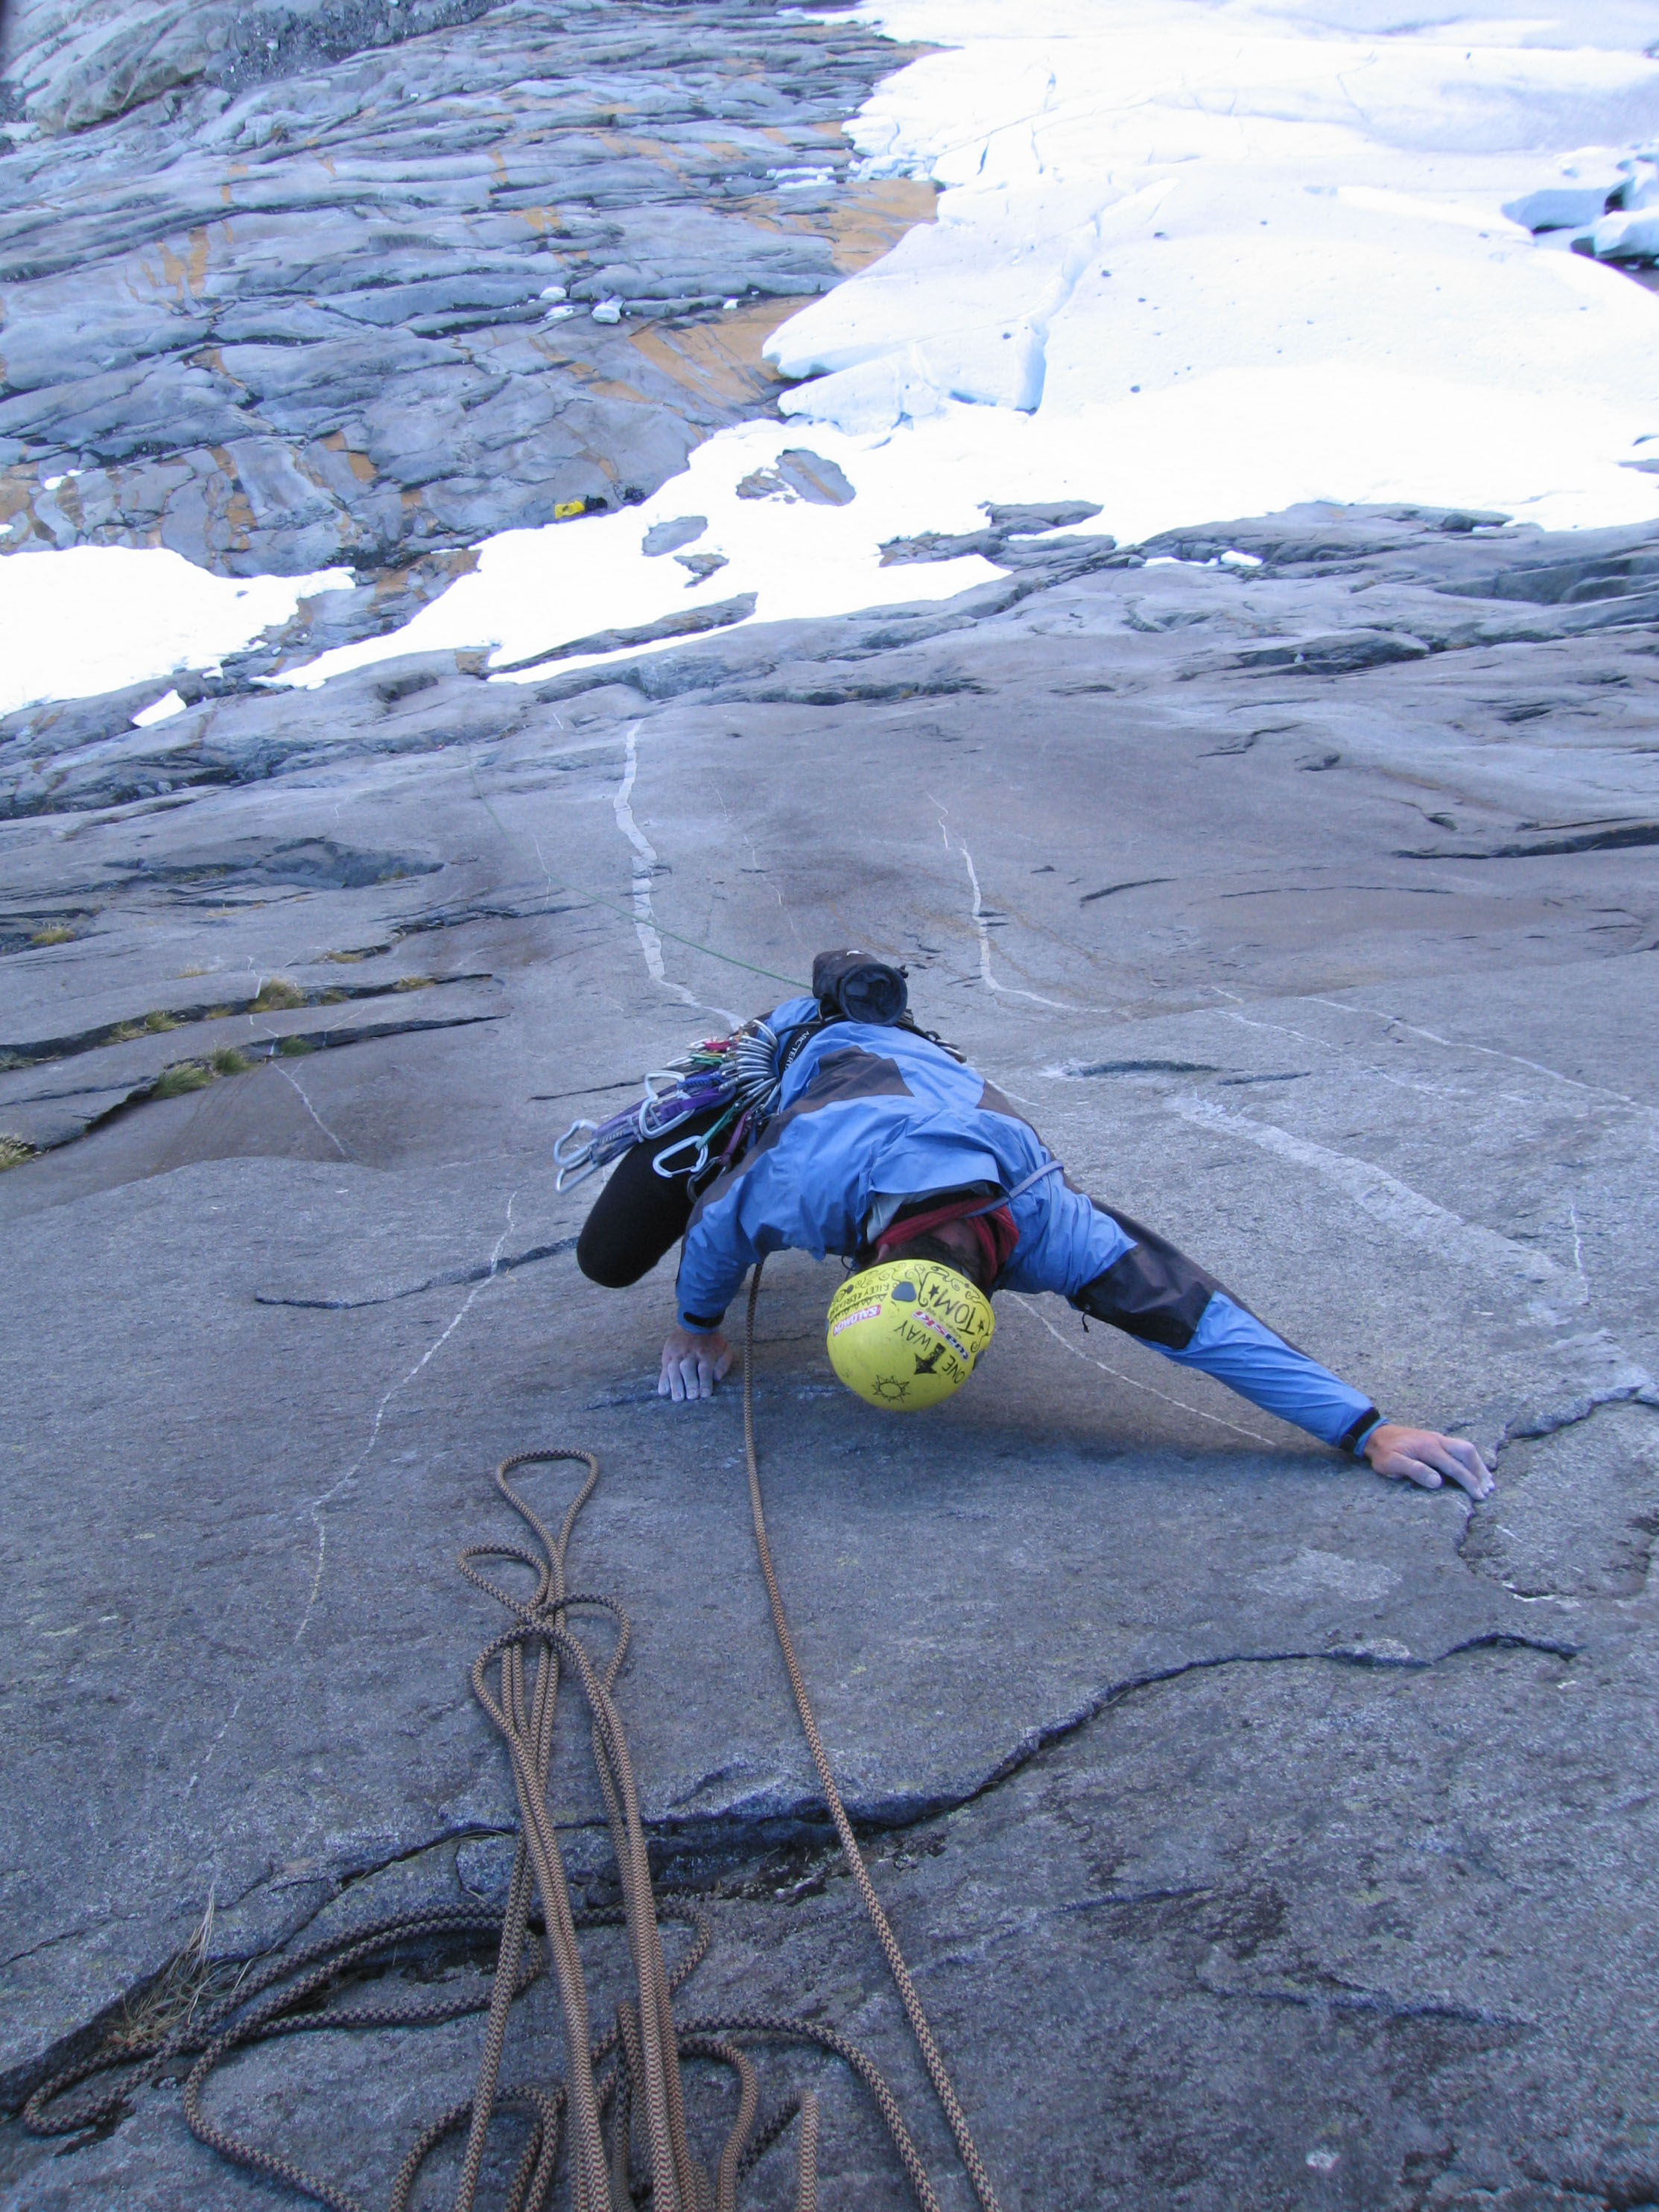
(995, 1230)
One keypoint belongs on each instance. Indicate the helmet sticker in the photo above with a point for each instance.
(864, 1313)
(905, 1334)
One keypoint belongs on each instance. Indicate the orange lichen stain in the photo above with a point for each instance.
(239, 168)
(175, 270)
(360, 464)
(236, 510)
(545, 222)
(184, 273)
(718, 360)
(870, 216)
(609, 388)
(16, 494)
(498, 163)
(326, 161)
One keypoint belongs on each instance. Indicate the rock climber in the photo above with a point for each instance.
(857, 1132)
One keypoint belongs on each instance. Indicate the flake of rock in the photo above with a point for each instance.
(669, 537)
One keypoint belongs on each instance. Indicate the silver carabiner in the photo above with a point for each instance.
(686, 1144)
(593, 1129)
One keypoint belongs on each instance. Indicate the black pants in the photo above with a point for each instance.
(639, 1214)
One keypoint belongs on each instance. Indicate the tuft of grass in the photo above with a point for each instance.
(169, 2004)
(294, 1048)
(278, 996)
(157, 1022)
(58, 934)
(413, 984)
(14, 1151)
(184, 1076)
(218, 1013)
(229, 1061)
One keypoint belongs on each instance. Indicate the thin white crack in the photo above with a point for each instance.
(305, 1101)
(1492, 1052)
(1342, 1052)
(644, 859)
(207, 1759)
(978, 915)
(1133, 1381)
(404, 1381)
(1387, 1199)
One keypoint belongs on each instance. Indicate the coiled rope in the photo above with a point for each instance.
(648, 2152)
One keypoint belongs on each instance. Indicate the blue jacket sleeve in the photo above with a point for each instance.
(1244, 1353)
(1152, 1290)
(729, 1231)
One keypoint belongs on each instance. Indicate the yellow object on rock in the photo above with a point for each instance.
(908, 1334)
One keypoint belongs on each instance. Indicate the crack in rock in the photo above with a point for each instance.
(1577, 1515)
(482, 1272)
(739, 1835)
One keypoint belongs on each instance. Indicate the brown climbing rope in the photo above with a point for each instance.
(640, 2090)
(973, 2165)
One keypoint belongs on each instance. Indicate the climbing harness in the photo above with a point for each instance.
(628, 2078)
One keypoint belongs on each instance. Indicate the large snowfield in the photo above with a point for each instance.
(1191, 263)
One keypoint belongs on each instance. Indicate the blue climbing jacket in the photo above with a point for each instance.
(868, 1112)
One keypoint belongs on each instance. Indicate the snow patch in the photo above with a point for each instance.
(98, 618)
(1189, 264)
(160, 710)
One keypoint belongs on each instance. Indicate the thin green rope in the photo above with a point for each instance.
(579, 890)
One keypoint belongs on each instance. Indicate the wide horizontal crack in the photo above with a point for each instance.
(1373, 2001)
(194, 1075)
(1550, 1423)
(484, 1272)
(270, 997)
(693, 1850)
(183, 1077)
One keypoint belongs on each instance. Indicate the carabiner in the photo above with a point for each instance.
(593, 1129)
(699, 1144)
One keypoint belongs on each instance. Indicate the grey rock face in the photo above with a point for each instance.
(1258, 1831)
(301, 285)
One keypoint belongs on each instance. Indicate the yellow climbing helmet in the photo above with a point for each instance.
(907, 1333)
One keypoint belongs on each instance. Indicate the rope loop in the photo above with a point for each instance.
(648, 2147)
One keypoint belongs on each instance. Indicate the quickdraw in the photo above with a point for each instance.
(740, 1074)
